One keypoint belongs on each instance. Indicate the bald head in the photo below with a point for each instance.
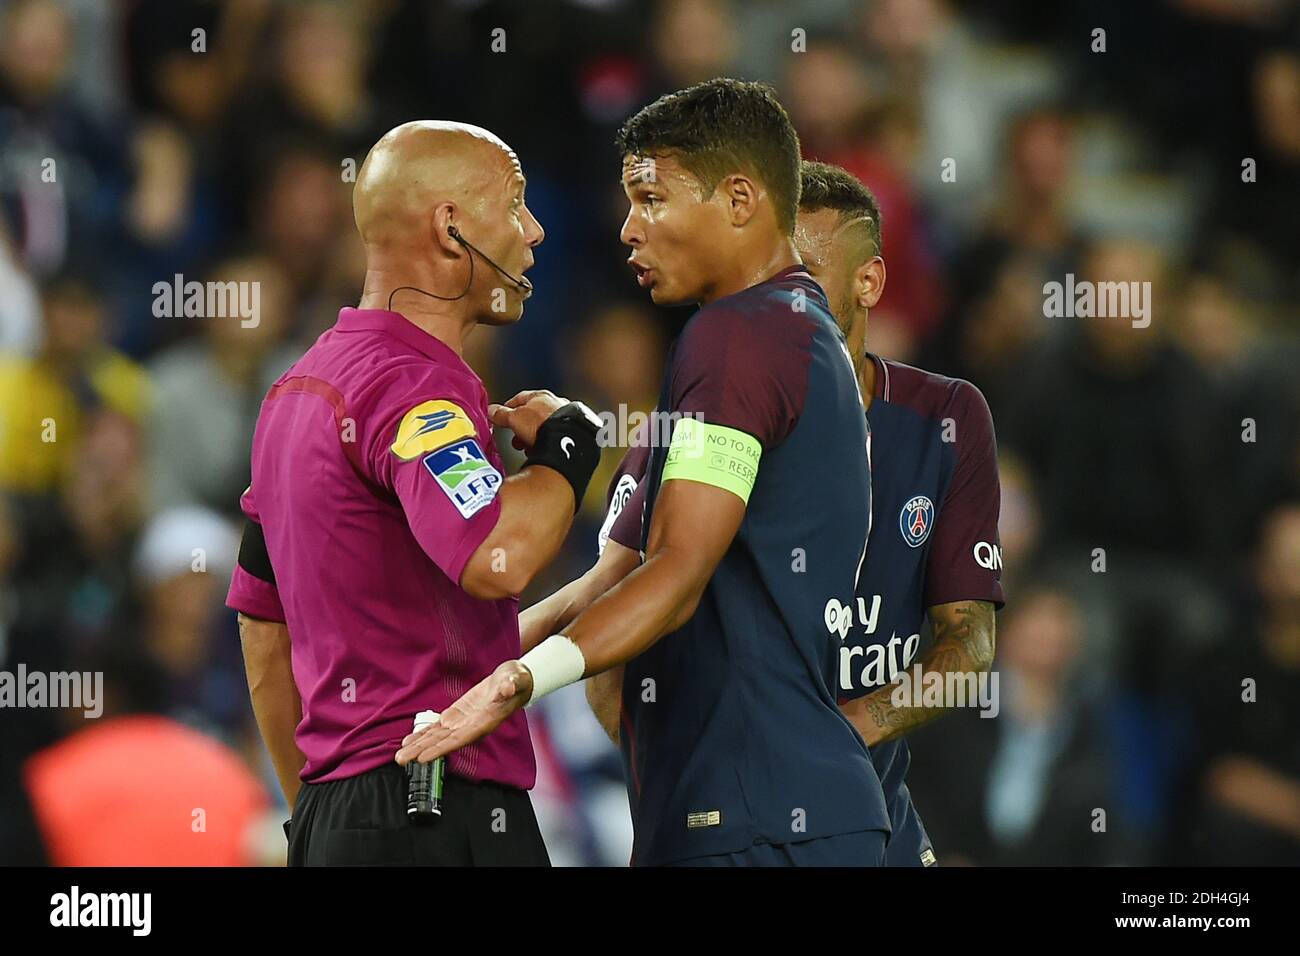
(418, 166)
(425, 177)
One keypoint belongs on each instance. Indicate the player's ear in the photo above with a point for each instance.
(443, 226)
(869, 282)
(742, 197)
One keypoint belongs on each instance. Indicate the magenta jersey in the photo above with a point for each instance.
(374, 480)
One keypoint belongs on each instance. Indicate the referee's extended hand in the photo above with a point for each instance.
(476, 714)
(525, 413)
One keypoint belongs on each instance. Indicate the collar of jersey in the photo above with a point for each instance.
(881, 389)
(400, 328)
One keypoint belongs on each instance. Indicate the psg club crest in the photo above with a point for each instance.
(915, 520)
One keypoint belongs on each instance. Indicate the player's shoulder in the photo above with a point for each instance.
(758, 323)
(931, 394)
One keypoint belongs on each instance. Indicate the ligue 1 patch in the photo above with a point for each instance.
(465, 474)
(927, 857)
(915, 520)
(429, 426)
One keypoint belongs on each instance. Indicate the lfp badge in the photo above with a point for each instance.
(916, 519)
(465, 474)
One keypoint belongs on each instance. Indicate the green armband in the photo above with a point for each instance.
(716, 455)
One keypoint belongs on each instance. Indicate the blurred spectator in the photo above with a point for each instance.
(44, 399)
(20, 309)
(832, 105)
(61, 171)
(1247, 708)
(1028, 238)
(182, 565)
(1020, 522)
(999, 331)
(1111, 422)
(1256, 414)
(619, 363)
(1023, 789)
(693, 41)
(208, 390)
(77, 543)
(314, 92)
(1259, 212)
(302, 207)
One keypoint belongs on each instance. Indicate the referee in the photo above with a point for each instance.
(384, 548)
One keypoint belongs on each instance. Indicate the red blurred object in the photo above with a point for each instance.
(126, 792)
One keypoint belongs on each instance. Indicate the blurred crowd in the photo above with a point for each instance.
(1149, 653)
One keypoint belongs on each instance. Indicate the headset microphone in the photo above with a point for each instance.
(520, 281)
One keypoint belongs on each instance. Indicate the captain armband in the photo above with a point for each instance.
(715, 455)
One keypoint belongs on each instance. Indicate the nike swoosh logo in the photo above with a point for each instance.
(563, 448)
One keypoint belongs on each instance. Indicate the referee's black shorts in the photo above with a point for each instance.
(361, 821)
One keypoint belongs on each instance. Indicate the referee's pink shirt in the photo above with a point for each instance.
(367, 531)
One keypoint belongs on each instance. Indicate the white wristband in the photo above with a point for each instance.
(555, 663)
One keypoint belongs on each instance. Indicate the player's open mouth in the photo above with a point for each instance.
(644, 274)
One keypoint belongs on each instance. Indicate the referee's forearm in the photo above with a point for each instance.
(277, 706)
(536, 512)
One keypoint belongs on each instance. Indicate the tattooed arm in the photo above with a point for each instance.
(963, 643)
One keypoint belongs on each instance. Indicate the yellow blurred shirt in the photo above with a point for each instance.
(40, 418)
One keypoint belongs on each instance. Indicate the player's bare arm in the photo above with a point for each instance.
(548, 616)
(537, 508)
(604, 691)
(693, 525)
(276, 704)
(964, 641)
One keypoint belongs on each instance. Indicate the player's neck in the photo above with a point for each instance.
(755, 267)
(856, 341)
(867, 380)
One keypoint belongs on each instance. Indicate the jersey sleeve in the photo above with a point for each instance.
(252, 585)
(965, 558)
(430, 445)
(626, 502)
(740, 371)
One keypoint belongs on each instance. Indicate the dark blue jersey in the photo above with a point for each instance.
(934, 540)
(731, 733)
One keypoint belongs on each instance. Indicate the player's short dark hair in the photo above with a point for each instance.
(831, 187)
(721, 127)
